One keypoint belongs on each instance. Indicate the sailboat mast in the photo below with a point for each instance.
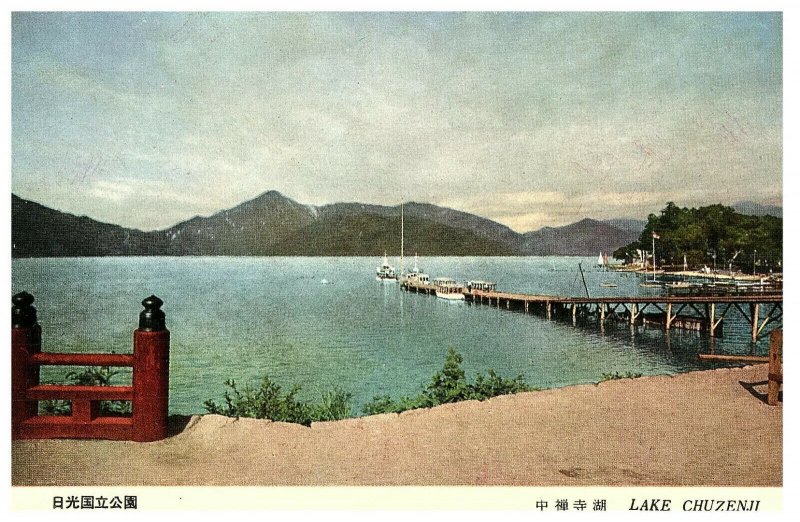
(584, 280)
(402, 238)
(654, 257)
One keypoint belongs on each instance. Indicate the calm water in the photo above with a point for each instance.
(242, 318)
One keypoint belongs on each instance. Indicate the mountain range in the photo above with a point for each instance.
(273, 224)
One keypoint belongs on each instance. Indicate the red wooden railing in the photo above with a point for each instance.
(148, 394)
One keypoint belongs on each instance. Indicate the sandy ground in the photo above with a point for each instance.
(700, 428)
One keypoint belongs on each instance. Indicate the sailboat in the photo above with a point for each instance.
(653, 283)
(386, 273)
(602, 261)
(415, 275)
(402, 240)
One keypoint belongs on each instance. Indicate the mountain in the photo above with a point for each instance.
(251, 228)
(423, 221)
(584, 238)
(39, 231)
(374, 234)
(749, 208)
(627, 224)
(270, 224)
(273, 224)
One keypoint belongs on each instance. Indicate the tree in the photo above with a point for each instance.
(714, 230)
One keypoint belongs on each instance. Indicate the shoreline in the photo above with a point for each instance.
(697, 274)
(702, 428)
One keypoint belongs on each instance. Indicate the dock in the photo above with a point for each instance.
(703, 313)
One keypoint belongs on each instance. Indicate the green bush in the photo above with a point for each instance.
(617, 375)
(450, 385)
(269, 402)
(89, 376)
(335, 406)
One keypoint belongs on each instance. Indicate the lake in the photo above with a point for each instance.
(242, 317)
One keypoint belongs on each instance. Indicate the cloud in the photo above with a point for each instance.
(527, 118)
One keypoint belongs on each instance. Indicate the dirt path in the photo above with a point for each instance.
(699, 428)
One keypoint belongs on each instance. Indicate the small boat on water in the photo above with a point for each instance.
(484, 286)
(651, 284)
(448, 289)
(416, 275)
(608, 285)
(683, 284)
(386, 273)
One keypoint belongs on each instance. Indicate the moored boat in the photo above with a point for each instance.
(416, 275)
(386, 273)
(484, 286)
(448, 289)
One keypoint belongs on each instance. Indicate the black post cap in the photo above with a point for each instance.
(23, 314)
(152, 318)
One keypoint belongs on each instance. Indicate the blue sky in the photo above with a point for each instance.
(531, 119)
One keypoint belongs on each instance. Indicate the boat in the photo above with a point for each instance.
(483, 286)
(600, 259)
(608, 285)
(448, 289)
(416, 275)
(682, 284)
(651, 284)
(386, 273)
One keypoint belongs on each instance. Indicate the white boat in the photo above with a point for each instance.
(600, 260)
(386, 273)
(484, 286)
(448, 289)
(651, 284)
(416, 275)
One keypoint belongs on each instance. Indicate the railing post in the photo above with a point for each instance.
(775, 374)
(26, 339)
(150, 373)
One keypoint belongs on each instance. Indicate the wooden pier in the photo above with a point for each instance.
(758, 309)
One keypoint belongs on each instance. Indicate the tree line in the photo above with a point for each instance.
(715, 235)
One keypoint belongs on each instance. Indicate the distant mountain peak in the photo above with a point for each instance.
(585, 237)
(272, 194)
(752, 208)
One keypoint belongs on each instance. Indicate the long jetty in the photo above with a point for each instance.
(758, 309)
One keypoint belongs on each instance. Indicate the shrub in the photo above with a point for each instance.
(269, 402)
(616, 375)
(89, 376)
(494, 385)
(450, 385)
(335, 406)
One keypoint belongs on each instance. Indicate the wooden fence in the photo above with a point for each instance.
(775, 360)
(148, 393)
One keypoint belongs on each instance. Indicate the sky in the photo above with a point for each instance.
(529, 119)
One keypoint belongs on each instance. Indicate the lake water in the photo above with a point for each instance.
(241, 318)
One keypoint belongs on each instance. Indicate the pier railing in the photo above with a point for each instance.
(692, 312)
(148, 393)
